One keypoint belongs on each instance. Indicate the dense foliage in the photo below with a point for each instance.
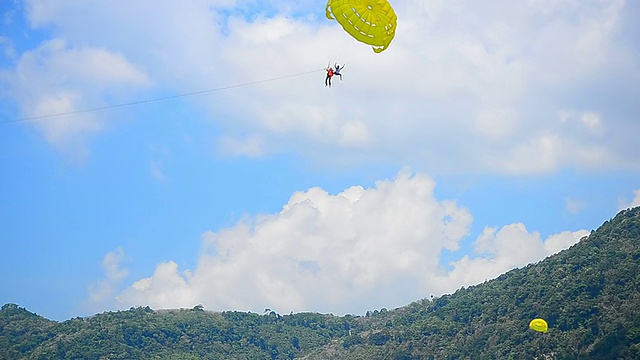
(588, 294)
(176, 334)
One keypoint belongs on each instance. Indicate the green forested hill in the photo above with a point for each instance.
(141, 333)
(589, 294)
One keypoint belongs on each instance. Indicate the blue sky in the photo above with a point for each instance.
(486, 137)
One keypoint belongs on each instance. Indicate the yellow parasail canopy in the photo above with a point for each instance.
(539, 325)
(372, 22)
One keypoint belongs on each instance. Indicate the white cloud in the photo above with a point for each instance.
(166, 286)
(102, 292)
(58, 78)
(591, 121)
(551, 151)
(346, 253)
(354, 134)
(502, 250)
(583, 44)
(588, 120)
(475, 81)
(540, 154)
(495, 123)
(563, 240)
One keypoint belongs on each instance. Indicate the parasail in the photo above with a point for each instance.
(539, 325)
(372, 22)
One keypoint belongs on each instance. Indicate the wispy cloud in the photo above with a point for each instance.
(60, 78)
(102, 293)
(251, 146)
(635, 201)
(160, 157)
(573, 206)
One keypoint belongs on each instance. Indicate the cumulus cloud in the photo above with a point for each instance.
(356, 250)
(501, 250)
(482, 82)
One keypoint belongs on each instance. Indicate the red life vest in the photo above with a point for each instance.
(330, 72)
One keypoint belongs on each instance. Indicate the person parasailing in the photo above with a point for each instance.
(338, 69)
(330, 73)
